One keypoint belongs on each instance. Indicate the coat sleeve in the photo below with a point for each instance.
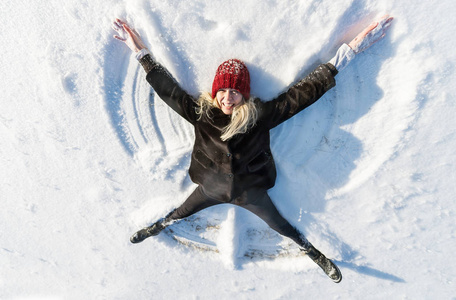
(169, 90)
(299, 96)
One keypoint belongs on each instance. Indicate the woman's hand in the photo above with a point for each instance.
(127, 35)
(370, 34)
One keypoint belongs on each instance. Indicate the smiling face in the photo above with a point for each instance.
(227, 99)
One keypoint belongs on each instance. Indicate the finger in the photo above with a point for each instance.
(386, 19)
(371, 27)
(128, 30)
(116, 27)
(120, 30)
(384, 25)
(119, 38)
(120, 21)
(387, 22)
(121, 24)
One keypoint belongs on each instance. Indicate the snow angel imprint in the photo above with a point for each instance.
(231, 158)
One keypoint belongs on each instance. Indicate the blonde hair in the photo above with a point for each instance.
(243, 118)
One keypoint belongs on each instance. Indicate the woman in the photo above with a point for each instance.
(231, 159)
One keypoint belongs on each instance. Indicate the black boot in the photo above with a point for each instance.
(147, 232)
(325, 264)
(152, 230)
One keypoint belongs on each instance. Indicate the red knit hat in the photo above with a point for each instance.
(232, 74)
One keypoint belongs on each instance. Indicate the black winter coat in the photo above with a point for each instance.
(227, 168)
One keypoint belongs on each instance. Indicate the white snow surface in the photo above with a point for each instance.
(367, 173)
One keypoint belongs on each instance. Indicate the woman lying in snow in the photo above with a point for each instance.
(231, 159)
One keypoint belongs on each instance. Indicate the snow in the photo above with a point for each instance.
(85, 161)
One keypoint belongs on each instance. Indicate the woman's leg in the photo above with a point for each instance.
(196, 202)
(258, 202)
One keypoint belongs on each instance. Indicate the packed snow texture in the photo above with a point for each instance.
(89, 154)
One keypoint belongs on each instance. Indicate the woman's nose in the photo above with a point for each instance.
(230, 94)
(227, 95)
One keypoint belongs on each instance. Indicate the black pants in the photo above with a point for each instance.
(255, 200)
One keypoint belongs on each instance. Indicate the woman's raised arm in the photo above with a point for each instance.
(158, 77)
